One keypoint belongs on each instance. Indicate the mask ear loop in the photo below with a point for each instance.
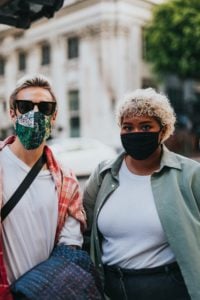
(14, 109)
(160, 142)
(13, 115)
(13, 112)
(161, 128)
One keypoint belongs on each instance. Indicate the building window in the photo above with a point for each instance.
(22, 61)
(46, 53)
(2, 66)
(3, 106)
(74, 114)
(73, 47)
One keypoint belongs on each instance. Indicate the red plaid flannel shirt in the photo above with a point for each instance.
(70, 203)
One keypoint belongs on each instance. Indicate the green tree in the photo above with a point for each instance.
(173, 39)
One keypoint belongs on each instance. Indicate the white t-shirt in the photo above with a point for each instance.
(29, 230)
(133, 235)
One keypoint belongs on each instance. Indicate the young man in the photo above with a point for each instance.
(50, 211)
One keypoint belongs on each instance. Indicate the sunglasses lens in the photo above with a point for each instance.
(24, 106)
(47, 108)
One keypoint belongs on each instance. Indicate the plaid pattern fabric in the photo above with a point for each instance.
(70, 203)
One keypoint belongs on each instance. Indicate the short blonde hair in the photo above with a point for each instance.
(36, 80)
(148, 102)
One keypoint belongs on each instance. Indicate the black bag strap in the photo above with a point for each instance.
(14, 199)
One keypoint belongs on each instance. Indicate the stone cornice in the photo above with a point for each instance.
(90, 18)
(104, 29)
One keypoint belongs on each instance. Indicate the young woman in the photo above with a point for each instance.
(143, 209)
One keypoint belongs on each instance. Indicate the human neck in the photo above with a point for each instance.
(144, 167)
(29, 157)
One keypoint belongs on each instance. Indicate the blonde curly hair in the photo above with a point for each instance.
(148, 102)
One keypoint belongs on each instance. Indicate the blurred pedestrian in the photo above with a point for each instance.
(143, 208)
(50, 212)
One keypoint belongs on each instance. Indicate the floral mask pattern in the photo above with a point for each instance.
(33, 128)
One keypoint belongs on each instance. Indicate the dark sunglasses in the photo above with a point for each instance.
(45, 107)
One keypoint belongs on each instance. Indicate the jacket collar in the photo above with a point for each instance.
(114, 165)
(169, 159)
(8, 140)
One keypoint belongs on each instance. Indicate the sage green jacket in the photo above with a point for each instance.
(176, 190)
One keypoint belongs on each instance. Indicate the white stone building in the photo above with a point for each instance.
(92, 52)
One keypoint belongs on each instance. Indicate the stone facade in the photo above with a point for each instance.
(92, 52)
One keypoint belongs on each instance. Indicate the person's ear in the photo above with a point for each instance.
(53, 118)
(12, 114)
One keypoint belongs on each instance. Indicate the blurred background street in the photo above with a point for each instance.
(94, 51)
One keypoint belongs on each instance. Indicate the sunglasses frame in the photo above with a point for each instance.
(32, 105)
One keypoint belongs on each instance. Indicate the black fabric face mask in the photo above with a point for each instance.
(140, 145)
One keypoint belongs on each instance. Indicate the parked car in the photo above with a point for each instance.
(82, 155)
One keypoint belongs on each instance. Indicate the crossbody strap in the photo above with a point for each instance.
(14, 199)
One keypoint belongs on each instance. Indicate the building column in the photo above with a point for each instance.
(57, 71)
(33, 59)
(9, 81)
(97, 121)
(11, 67)
(134, 53)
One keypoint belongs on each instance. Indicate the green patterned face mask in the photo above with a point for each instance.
(33, 128)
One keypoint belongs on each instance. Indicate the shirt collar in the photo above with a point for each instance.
(169, 159)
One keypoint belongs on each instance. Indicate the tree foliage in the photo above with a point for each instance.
(173, 38)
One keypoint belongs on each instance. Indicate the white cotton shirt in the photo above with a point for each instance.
(129, 223)
(30, 228)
